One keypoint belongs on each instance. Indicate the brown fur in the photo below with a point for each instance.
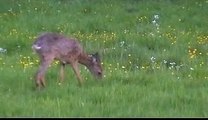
(53, 46)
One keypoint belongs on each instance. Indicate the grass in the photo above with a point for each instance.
(154, 55)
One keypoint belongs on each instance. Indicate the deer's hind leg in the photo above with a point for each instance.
(62, 72)
(40, 75)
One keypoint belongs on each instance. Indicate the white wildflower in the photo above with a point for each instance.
(156, 16)
(152, 59)
(122, 43)
(164, 61)
(2, 50)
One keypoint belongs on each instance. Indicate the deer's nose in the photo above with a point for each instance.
(99, 74)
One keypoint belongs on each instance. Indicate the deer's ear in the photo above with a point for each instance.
(90, 56)
(95, 57)
(96, 54)
(94, 60)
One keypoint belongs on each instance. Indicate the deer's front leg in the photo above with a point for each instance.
(77, 72)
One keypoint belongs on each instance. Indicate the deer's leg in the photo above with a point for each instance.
(77, 72)
(62, 73)
(40, 75)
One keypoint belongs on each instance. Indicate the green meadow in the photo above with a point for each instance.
(154, 56)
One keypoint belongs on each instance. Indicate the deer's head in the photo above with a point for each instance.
(95, 65)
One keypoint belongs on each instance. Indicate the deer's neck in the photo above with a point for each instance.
(84, 59)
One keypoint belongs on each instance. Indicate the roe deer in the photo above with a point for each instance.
(53, 46)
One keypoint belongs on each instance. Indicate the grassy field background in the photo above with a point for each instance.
(154, 54)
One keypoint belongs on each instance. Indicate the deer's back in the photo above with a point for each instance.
(57, 45)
